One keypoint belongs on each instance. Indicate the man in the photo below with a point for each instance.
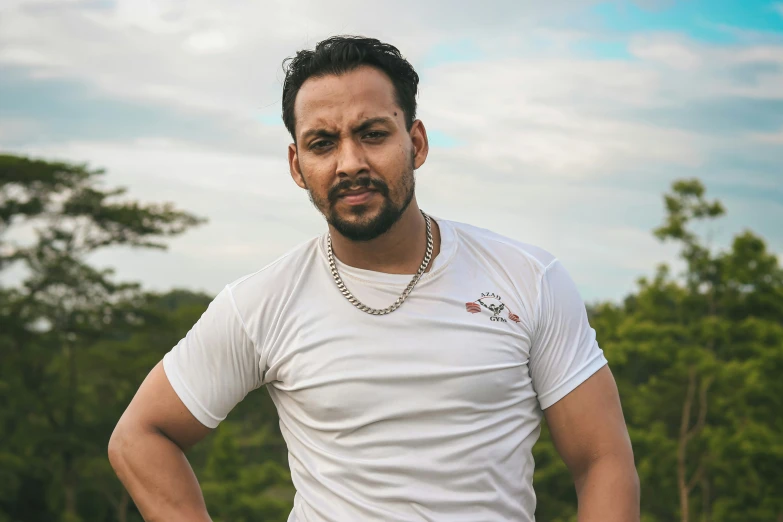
(411, 359)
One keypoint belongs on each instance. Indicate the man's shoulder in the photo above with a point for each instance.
(503, 246)
(277, 277)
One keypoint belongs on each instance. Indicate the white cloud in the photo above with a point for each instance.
(144, 50)
(672, 54)
(227, 59)
(209, 42)
(771, 137)
(547, 117)
(15, 130)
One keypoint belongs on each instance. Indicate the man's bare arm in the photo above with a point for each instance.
(589, 432)
(147, 449)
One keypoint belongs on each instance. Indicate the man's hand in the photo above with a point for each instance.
(589, 432)
(147, 453)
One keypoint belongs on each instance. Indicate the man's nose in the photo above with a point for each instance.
(351, 159)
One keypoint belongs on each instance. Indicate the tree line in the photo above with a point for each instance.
(697, 355)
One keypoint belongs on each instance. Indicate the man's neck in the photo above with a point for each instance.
(398, 251)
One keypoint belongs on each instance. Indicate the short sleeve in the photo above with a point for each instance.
(215, 365)
(564, 352)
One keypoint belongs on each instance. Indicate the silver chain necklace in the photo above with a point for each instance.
(375, 311)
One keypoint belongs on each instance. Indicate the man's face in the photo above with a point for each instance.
(353, 153)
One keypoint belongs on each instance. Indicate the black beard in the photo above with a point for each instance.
(388, 215)
(377, 226)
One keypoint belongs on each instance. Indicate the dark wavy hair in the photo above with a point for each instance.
(341, 54)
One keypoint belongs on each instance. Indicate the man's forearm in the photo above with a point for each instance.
(158, 477)
(608, 491)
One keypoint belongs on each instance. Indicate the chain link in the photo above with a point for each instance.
(375, 311)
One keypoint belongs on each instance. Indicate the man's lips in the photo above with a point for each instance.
(357, 197)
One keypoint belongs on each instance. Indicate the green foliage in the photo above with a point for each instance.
(241, 491)
(75, 345)
(69, 361)
(697, 357)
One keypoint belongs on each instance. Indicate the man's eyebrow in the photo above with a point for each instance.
(321, 133)
(366, 124)
(363, 126)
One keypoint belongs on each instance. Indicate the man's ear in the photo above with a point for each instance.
(421, 145)
(293, 166)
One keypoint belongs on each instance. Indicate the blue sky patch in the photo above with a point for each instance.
(442, 140)
(750, 192)
(68, 110)
(271, 119)
(720, 116)
(603, 49)
(464, 50)
(705, 20)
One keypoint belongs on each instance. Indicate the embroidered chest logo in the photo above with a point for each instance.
(492, 303)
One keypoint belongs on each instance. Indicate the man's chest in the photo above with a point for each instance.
(444, 356)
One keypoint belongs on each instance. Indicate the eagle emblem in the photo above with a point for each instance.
(494, 305)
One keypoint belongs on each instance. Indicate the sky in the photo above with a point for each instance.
(557, 123)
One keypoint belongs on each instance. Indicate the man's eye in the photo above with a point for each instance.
(374, 135)
(320, 144)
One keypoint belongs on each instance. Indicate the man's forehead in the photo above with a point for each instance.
(334, 100)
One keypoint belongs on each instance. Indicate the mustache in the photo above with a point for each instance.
(359, 183)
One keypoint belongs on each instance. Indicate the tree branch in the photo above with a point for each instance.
(682, 445)
(696, 478)
(702, 419)
(685, 420)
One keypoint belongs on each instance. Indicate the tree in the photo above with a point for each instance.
(239, 489)
(52, 321)
(117, 364)
(697, 358)
(688, 355)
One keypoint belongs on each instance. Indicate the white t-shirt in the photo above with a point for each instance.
(429, 413)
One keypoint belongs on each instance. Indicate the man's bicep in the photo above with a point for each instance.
(156, 406)
(564, 351)
(216, 364)
(588, 424)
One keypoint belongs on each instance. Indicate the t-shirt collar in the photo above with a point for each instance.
(447, 250)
